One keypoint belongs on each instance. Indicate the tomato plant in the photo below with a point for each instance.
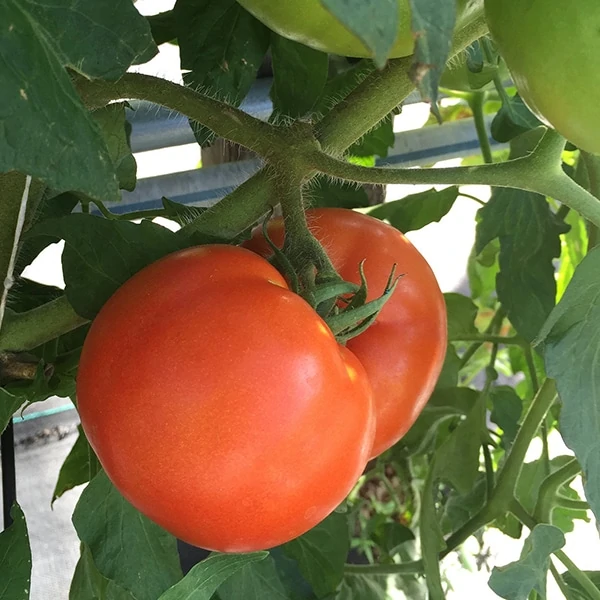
(404, 349)
(318, 424)
(555, 72)
(289, 390)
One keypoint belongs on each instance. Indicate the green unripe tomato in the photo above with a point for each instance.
(456, 76)
(552, 48)
(308, 22)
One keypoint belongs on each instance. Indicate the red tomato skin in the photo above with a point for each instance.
(404, 350)
(220, 404)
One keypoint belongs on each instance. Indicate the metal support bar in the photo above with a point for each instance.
(9, 477)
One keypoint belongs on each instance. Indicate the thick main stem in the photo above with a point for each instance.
(379, 94)
(226, 121)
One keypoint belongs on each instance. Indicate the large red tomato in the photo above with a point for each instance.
(403, 351)
(220, 404)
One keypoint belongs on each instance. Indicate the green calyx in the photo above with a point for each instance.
(342, 304)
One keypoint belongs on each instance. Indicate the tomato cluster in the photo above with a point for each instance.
(221, 405)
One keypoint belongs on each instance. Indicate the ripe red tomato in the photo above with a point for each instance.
(220, 404)
(403, 351)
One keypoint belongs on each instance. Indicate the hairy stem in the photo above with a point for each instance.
(226, 121)
(549, 488)
(476, 103)
(27, 330)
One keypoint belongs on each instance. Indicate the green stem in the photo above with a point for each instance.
(509, 474)
(584, 581)
(560, 582)
(415, 566)
(493, 326)
(27, 330)
(536, 386)
(498, 83)
(513, 340)
(474, 198)
(150, 213)
(476, 102)
(549, 488)
(225, 120)
(592, 166)
(539, 172)
(571, 503)
(489, 469)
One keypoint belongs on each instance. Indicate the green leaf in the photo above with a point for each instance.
(9, 405)
(15, 558)
(321, 553)
(126, 547)
(181, 213)
(461, 316)
(46, 130)
(292, 579)
(432, 540)
(578, 592)
(571, 343)
(89, 584)
(574, 245)
(15, 394)
(222, 46)
(450, 369)
(255, 581)
(527, 490)
(393, 536)
(506, 412)
(433, 27)
(341, 84)
(482, 270)
(417, 210)
(50, 207)
(372, 21)
(162, 26)
(79, 467)
(513, 119)
(299, 77)
(106, 36)
(116, 131)
(92, 277)
(324, 192)
(445, 404)
(363, 587)
(459, 508)
(377, 142)
(455, 461)
(529, 241)
(516, 580)
(205, 577)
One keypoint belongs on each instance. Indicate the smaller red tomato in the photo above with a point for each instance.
(404, 350)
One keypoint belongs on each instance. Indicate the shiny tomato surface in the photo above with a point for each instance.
(220, 404)
(403, 351)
